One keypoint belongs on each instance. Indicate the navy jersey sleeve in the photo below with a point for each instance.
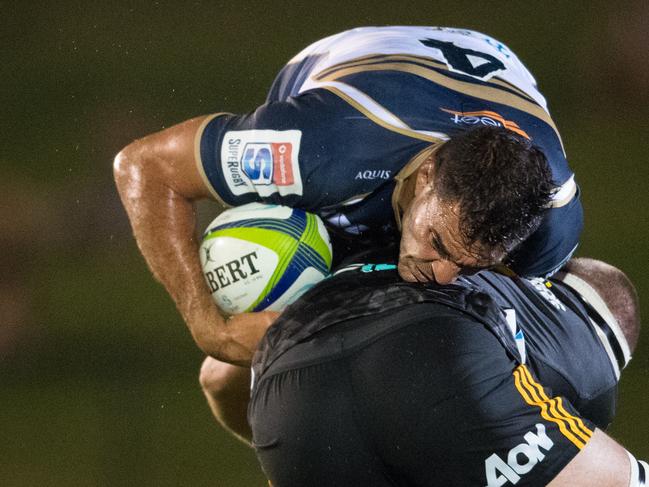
(549, 248)
(312, 151)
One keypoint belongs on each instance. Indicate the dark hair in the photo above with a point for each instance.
(501, 181)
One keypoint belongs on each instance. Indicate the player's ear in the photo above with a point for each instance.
(425, 174)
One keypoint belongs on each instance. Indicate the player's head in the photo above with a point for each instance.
(481, 195)
(613, 288)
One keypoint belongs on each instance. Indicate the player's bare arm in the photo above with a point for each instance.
(602, 463)
(158, 182)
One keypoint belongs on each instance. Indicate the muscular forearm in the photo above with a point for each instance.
(163, 224)
(161, 212)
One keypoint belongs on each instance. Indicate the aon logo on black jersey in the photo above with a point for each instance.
(520, 460)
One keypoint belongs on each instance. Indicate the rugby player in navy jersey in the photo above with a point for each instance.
(371, 129)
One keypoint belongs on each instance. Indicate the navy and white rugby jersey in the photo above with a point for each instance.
(352, 115)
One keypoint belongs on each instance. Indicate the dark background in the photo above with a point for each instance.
(98, 373)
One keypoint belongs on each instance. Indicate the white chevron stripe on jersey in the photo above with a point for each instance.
(565, 194)
(379, 114)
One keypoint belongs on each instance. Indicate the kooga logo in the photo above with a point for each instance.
(520, 459)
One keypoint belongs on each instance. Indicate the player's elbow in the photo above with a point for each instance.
(163, 163)
(129, 167)
(139, 174)
(120, 170)
(216, 377)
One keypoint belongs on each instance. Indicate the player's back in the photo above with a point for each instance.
(353, 116)
(430, 366)
(462, 51)
(428, 83)
(539, 323)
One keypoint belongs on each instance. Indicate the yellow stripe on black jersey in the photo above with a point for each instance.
(552, 409)
(576, 421)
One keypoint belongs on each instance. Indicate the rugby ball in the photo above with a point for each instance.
(263, 257)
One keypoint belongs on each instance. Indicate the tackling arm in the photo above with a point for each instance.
(603, 463)
(158, 182)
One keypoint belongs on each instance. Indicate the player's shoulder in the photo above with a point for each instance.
(292, 152)
(463, 311)
(441, 43)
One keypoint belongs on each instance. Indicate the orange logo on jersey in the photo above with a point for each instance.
(485, 117)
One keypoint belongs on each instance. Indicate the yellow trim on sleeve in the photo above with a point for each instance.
(567, 198)
(552, 410)
(199, 161)
(578, 424)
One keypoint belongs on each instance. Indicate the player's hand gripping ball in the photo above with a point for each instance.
(263, 257)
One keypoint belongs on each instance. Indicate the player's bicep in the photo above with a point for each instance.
(311, 151)
(560, 448)
(602, 463)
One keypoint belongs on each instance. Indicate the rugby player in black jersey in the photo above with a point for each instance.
(491, 381)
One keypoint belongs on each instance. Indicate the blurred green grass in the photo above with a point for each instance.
(112, 432)
(111, 396)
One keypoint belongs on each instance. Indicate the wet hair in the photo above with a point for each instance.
(501, 182)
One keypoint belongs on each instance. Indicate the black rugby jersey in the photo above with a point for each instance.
(542, 324)
(368, 380)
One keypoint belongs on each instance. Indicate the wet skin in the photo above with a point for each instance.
(432, 247)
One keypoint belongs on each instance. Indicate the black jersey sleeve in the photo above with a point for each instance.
(538, 440)
(434, 396)
(311, 151)
(501, 426)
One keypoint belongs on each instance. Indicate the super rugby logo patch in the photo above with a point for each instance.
(262, 161)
